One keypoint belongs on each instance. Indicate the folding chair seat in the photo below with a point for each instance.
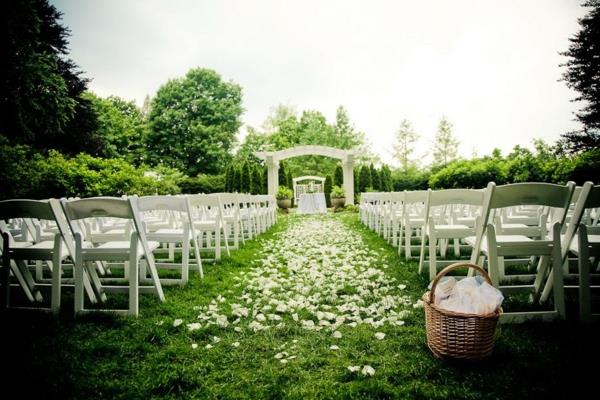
(53, 251)
(181, 233)
(495, 248)
(130, 253)
(443, 228)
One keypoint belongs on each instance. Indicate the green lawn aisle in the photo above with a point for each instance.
(317, 308)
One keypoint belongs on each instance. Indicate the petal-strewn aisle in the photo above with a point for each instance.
(320, 275)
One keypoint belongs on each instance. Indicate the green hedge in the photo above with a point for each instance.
(26, 174)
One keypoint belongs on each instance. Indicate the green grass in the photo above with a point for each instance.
(105, 356)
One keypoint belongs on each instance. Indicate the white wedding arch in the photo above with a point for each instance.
(272, 159)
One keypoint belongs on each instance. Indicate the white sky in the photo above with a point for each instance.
(492, 68)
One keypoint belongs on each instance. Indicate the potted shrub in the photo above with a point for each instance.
(284, 197)
(338, 197)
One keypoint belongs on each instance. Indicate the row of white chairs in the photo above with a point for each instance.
(97, 236)
(544, 226)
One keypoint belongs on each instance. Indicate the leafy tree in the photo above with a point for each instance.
(445, 147)
(583, 75)
(253, 141)
(406, 137)
(40, 102)
(364, 179)
(327, 189)
(194, 121)
(338, 176)
(121, 128)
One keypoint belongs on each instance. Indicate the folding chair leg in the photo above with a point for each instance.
(56, 276)
(185, 261)
(217, 244)
(134, 292)
(78, 273)
(583, 263)
(26, 280)
(5, 274)
(432, 257)
(559, 286)
(422, 255)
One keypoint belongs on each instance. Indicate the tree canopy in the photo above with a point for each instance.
(40, 88)
(583, 75)
(193, 122)
(121, 128)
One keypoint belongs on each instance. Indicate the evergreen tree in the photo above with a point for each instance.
(377, 181)
(338, 177)
(327, 189)
(228, 178)
(282, 175)
(357, 180)
(290, 180)
(246, 178)
(256, 179)
(237, 179)
(365, 179)
(41, 101)
(583, 75)
(386, 179)
(265, 180)
(373, 176)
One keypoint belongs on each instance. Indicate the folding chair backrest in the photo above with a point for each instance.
(415, 196)
(471, 197)
(23, 208)
(97, 207)
(164, 203)
(49, 210)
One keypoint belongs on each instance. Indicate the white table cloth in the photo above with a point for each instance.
(312, 203)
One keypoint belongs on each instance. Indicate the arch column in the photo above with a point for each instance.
(272, 174)
(348, 169)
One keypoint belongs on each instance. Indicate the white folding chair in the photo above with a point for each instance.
(413, 219)
(444, 227)
(130, 252)
(487, 244)
(207, 213)
(582, 238)
(54, 251)
(183, 233)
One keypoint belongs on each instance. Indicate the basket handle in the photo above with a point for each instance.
(452, 268)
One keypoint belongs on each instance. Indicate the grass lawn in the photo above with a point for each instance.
(104, 356)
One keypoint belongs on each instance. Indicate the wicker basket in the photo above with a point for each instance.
(458, 336)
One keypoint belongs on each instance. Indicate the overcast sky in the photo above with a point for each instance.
(492, 68)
